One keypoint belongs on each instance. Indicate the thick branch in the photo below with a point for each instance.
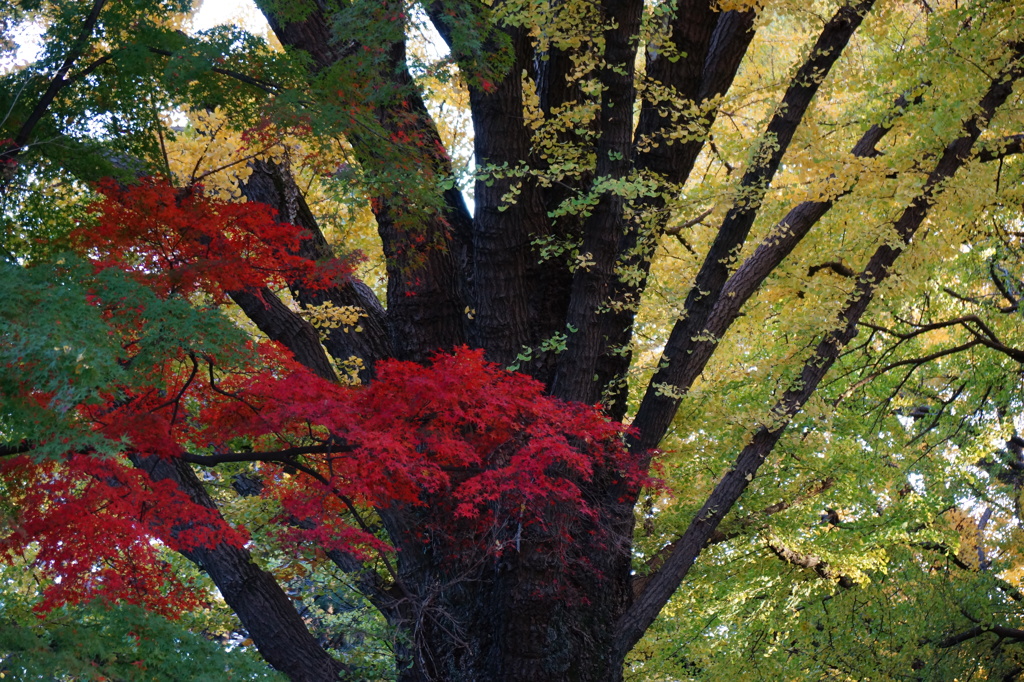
(281, 324)
(1000, 148)
(516, 301)
(695, 28)
(834, 266)
(264, 609)
(713, 45)
(505, 270)
(16, 449)
(1000, 631)
(272, 184)
(811, 562)
(737, 527)
(692, 342)
(425, 294)
(590, 284)
(280, 456)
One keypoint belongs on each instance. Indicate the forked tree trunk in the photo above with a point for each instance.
(554, 600)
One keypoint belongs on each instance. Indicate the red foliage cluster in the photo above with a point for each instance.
(179, 241)
(475, 442)
(483, 449)
(90, 523)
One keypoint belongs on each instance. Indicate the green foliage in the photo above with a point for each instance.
(67, 352)
(110, 642)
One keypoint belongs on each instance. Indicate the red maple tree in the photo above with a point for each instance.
(484, 449)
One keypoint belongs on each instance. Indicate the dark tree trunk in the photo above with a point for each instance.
(531, 614)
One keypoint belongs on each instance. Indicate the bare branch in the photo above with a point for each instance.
(286, 456)
(1000, 631)
(811, 562)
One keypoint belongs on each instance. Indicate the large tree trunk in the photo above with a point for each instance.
(536, 611)
(538, 608)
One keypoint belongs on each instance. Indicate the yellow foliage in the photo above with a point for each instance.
(209, 152)
(967, 528)
(348, 370)
(327, 316)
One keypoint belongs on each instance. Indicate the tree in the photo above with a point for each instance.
(739, 227)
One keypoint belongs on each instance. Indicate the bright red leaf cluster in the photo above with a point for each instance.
(460, 434)
(179, 241)
(478, 444)
(484, 449)
(92, 524)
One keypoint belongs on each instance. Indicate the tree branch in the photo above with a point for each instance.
(1000, 631)
(574, 376)
(811, 562)
(425, 298)
(254, 595)
(272, 183)
(286, 456)
(8, 155)
(1000, 148)
(754, 521)
(712, 307)
(710, 45)
(974, 325)
(266, 86)
(279, 323)
(659, 590)
(13, 450)
(835, 266)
